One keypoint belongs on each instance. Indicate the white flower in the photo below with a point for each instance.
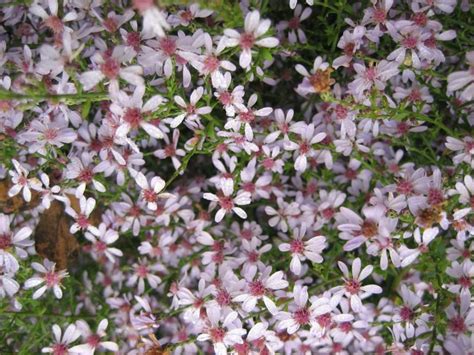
(48, 278)
(463, 79)
(407, 255)
(82, 217)
(151, 191)
(62, 341)
(92, 340)
(302, 250)
(100, 244)
(222, 335)
(254, 29)
(228, 203)
(20, 181)
(154, 20)
(466, 197)
(353, 289)
(192, 113)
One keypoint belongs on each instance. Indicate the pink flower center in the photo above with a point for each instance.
(110, 24)
(217, 334)
(304, 147)
(368, 229)
(50, 134)
(405, 187)
(341, 112)
(190, 109)
(465, 281)
(247, 40)
(406, 314)
(371, 74)
(297, 246)
(51, 279)
(225, 98)
(420, 19)
(168, 45)
(350, 174)
(249, 187)
(59, 349)
(328, 213)
(247, 116)
(457, 325)
(100, 246)
(142, 271)
(223, 298)
(85, 175)
(93, 340)
(253, 257)
(346, 327)
(435, 197)
(170, 150)
(409, 42)
(133, 40)
(415, 95)
(246, 234)
(226, 202)
(142, 5)
(82, 221)
(379, 15)
(294, 23)
(324, 320)
(257, 288)
(301, 316)
(149, 195)
(211, 64)
(268, 163)
(352, 286)
(5, 241)
(133, 117)
(110, 68)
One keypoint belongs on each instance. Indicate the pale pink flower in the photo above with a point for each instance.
(21, 182)
(62, 342)
(192, 113)
(253, 35)
(227, 202)
(13, 244)
(92, 340)
(47, 278)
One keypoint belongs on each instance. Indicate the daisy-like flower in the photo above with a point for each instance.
(132, 112)
(466, 197)
(21, 182)
(300, 314)
(222, 334)
(48, 193)
(407, 255)
(353, 289)
(109, 67)
(226, 202)
(464, 149)
(48, 278)
(192, 113)
(81, 218)
(12, 242)
(93, 340)
(143, 271)
(373, 76)
(170, 150)
(304, 147)
(52, 21)
(463, 79)
(301, 250)
(61, 345)
(282, 121)
(405, 317)
(253, 35)
(318, 80)
(81, 169)
(100, 243)
(151, 191)
(46, 132)
(295, 33)
(259, 288)
(145, 319)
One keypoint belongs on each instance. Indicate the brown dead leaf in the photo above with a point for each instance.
(16, 203)
(52, 237)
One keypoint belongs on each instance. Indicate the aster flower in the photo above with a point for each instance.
(21, 182)
(192, 113)
(92, 340)
(151, 191)
(353, 289)
(259, 288)
(464, 149)
(466, 196)
(222, 335)
(410, 255)
(62, 342)
(100, 243)
(48, 278)
(227, 203)
(253, 35)
(463, 79)
(318, 80)
(8, 285)
(301, 250)
(374, 76)
(154, 20)
(82, 220)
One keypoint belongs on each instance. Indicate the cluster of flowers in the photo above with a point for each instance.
(253, 195)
